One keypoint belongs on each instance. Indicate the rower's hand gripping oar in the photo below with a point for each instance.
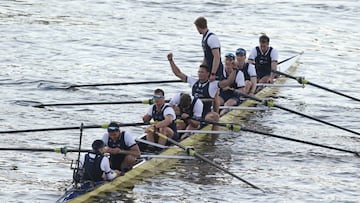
(269, 103)
(302, 81)
(236, 127)
(146, 101)
(192, 152)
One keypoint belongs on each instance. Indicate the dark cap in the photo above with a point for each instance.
(240, 51)
(113, 126)
(97, 145)
(230, 55)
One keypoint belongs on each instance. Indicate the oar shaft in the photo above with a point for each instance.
(238, 127)
(271, 104)
(62, 150)
(290, 58)
(302, 81)
(300, 141)
(70, 128)
(125, 83)
(192, 152)
(316, 119)
(333, 91)
(147, 101)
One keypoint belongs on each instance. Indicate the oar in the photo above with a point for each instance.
(302, 81)
(62, 150)
(71, 128)
(125, 83)
(65, 150)
(150, 156)
(192, 152)
(272, 104)
(235, 127)
(290, 58)
(278, 85)
(147, 101)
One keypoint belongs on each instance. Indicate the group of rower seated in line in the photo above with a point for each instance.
(192, 110)
(207, 95)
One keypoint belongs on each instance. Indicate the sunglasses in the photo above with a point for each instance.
(112, 128)
(157, 96)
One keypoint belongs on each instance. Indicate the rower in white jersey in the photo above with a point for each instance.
(187, 107)
(203, 88)
(229, 95)
(248, 70)
(164, 114)
(94, 166)
(265, 59)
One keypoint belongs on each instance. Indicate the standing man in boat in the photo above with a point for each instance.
(211, 47)
(122, 147)
(265, 59)
(203, 88)
(165, 115)
(228, 95)
(248, 70)
(187, 107)
(95, 166)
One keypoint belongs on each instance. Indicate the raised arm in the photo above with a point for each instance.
(175, 69)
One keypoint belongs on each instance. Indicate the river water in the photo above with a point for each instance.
(48, 45)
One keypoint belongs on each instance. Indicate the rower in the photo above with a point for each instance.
(165, 116)
(249, 71)
(121, 146)
(187, 107)
(95, 166)
(228, 95)
(203, 88)
(265, 59)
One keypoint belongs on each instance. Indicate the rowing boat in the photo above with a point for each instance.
(148, 168)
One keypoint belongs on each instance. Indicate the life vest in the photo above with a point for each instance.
(209, 57)
(263, 63)
(227, 94)
(92, 169)
(201, 90)
(159, 116)
(245, 70)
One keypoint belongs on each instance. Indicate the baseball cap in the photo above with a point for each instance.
(113, 126)
(230, 55)
(240, 51)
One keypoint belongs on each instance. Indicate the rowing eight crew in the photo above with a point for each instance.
(238, 75)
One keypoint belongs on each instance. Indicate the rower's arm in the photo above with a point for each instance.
(273, 68)
(134, 150)
(166, 122)
(216, 102)
(216, 60)
(146, 118)
(253, 86)
(228, 81)
(175, 69)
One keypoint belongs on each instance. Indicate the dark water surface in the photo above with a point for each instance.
(48, 45)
